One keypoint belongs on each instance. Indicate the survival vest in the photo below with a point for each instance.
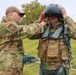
(55, 46)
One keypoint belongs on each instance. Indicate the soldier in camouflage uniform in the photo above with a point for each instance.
(54, 44)
(11, 35)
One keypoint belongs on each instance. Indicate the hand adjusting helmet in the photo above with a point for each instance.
(53, 10)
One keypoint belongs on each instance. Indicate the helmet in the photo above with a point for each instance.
(53, 10)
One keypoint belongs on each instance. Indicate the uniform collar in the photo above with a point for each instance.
(56, 25)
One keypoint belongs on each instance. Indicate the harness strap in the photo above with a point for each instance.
(46, 32)
(68, 44)
(57, 33)
(61, 69)
(67, 40)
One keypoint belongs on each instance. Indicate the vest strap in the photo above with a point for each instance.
(57, 33)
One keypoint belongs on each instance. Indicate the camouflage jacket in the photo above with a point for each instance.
(11, 30)
(11, 47)
(72, 27)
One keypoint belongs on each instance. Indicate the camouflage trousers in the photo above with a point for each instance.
(11, 63)
(44, 71)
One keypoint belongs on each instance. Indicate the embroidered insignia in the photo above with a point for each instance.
(11, 27)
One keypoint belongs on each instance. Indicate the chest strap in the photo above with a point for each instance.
(55, 35)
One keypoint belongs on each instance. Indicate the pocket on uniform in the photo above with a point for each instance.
(64, 53)
(52, 50)
(42, 48)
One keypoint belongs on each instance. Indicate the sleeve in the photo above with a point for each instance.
(32, 29)
(7, 29)
(71, 26)
(22, 31)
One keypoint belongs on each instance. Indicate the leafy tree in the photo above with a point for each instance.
(32, 11)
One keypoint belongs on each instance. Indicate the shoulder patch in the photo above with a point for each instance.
(11, 27)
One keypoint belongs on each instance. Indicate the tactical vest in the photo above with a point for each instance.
(54, 46)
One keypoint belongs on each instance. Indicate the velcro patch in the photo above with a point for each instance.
(11, 27)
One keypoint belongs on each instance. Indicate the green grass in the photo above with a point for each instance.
(30, 47)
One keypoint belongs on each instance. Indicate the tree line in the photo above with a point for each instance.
(32, 12)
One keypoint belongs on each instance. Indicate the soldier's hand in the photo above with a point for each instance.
(42, 18)
(64, 13)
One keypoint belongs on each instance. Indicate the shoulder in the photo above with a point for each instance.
(68, 19)
(11, 26)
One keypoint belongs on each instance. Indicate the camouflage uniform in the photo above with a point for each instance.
(53, 52)
(11, 48)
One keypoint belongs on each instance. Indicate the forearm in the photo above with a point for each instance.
(32, 29)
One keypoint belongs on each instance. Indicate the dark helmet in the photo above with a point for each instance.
(53, 10)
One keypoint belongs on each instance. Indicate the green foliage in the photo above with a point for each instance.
(30, 47)
(73, 45)
(33, 11)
